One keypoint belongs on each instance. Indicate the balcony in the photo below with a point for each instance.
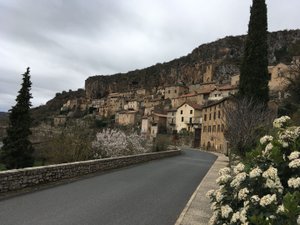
(193, 121)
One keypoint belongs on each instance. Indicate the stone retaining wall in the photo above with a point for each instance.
(13, 180)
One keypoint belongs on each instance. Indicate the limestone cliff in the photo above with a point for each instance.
(224, 54)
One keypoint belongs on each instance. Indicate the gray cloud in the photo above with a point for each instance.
(64, 42)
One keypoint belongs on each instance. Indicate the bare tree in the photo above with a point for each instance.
(291, 105)
(244, 123)
(294, 82)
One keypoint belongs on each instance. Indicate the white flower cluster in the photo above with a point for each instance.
(238, 179)
(243, 215)
(268, 148)
(280, 209)
(256, 172)
(270, 173)
(294, 182)
(266, 139)
(224, 171)
(235, 217)
(239, 168)
(294, 155)
(225, 211)
(283, 143)
(213, 206)
(219, 195)
(289, 135)
(210, 194)
(272, 179)
(255, 199)
(294, 164)
(223, 179)
(267, 200)
(243, 193)
(280, 122)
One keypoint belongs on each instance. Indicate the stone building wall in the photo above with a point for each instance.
(13, 180)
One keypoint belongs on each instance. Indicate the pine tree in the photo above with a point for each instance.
(254, 68)
(17, 150)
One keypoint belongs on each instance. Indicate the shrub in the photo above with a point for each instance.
(112, 142)
(65, 144)
(161, 143)
(265, 188)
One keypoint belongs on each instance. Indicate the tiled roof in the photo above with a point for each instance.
(160, 115)
(195, 106)
(227, 87)
(212, 103)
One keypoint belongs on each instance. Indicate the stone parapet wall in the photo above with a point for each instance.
(13, 180)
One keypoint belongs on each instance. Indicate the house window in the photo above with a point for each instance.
(191, 119)
(182, 119)
(204, 128)
(210, 116)
(219, 114)
(172, 121)
(209, 128)
(205, 117)
(181, 111)
(191, 111)
(222, 127)
(175, 91)
(214, 115)
(169, 91)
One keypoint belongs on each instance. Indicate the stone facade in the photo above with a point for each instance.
(194, 98)
(60, 120)
(13, 180)
(132, 105)
(171, 121)
(213, 122)
(175, 91)
(146, 127)
(208, 75)
(126, 118)
(187, 117)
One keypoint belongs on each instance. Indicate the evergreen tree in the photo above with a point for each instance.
(17, 150)
(254, 68)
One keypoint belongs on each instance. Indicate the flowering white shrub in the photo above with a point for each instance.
(265, 189)
(281, 122)
(111, 142)
(266, 139)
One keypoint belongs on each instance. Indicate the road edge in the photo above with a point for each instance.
(220, 162)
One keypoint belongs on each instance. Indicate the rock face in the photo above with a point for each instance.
(224, 55)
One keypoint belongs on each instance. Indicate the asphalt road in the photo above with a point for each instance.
(152, 193)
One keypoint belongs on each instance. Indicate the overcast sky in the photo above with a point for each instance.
(66, 41)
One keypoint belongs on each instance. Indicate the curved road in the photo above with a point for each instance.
(152, 193)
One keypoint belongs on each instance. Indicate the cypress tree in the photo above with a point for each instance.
(254, 75)
(17, 150)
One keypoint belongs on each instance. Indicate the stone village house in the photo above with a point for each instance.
(188, 117)
(175, 91)
(154, 124)
(213, 123)
(125, 118)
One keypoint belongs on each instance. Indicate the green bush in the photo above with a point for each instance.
(265, 188)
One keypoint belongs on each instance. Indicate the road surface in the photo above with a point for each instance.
(152, 193)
